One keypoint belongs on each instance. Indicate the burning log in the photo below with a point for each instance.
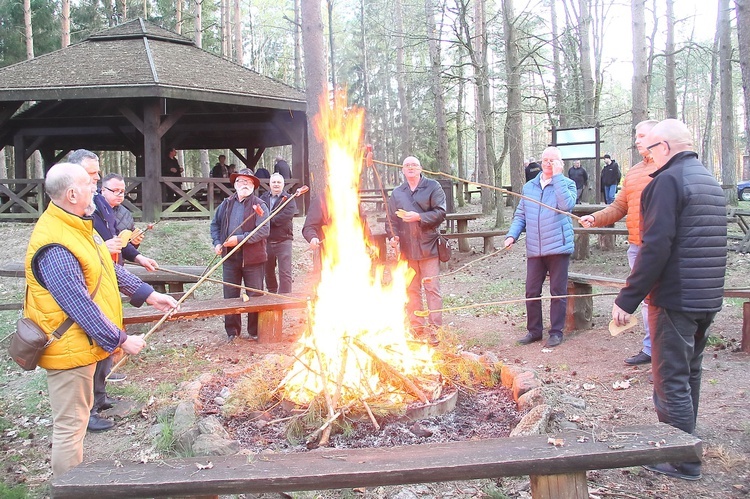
(413, 388)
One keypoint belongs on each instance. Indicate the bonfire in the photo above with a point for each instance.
(357, 352)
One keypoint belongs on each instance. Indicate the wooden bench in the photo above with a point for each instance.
(580, 310)
(270, 311)
(556, 471)
(488, 237)
(606, 239)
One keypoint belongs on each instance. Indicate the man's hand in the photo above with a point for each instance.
(147, 263)
(137, 240)
(314, 243)
(620, 316)
(114, 245)
(231, 242)
(217, 249)
(557, 166)
(411, 216)
(162, 302)
(509, 242)
(133, 345)
(394, 242)
(587, 221)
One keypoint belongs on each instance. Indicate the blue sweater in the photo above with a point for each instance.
(547, 232)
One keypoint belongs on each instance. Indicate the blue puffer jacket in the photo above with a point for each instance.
(547, 232)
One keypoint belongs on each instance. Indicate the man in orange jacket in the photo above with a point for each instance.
(628, 202)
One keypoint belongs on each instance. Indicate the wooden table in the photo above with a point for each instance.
(460, 221)
(159, 279)
(742, 217)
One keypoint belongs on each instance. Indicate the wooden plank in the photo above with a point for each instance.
(194, 309)
(612, 282)
(607, 231)
(346, 468)
(466, 235)
(270, 324)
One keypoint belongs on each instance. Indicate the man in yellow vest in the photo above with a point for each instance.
(69, 273)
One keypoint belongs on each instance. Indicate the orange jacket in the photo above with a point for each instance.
(628, 201)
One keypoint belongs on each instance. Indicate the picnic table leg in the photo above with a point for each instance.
(462, 227)
(579, 310)
(270, 323)
(581, 247)
(568, 485)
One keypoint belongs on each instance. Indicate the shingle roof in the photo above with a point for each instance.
(141, 59)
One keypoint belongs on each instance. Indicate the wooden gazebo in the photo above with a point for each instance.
(138, 87)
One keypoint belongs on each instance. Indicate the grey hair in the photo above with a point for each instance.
(60, 178)
(112, 176)
(79, 155)
(277, 175)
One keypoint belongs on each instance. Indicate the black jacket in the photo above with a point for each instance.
(611, 174)
(532, 170)
(683, 257)
(281, 223)
(254, 250)
(419, 240)
(579, 176)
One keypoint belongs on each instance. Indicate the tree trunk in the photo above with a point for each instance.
(238, 33)
(728, 156)
(558, 118)
(482, 103)
(199, 23)
(670, 83)
(29, 33)
(743, 35)
(433, 39)
(65, 23)
(332, 51)
(587, 76)
(316, 88)
(460, 160)
(707, 156)
(639, 84)
(514, 120)
(406, 145)
(297, 45)
(178, 20)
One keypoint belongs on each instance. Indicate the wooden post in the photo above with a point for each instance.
(579, 310)
(745, 345)
(569, 486)
(270, 324)
(581, 247)
(151, 188)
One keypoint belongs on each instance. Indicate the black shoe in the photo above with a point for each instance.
(98, 423)
(553, 340)
(639, 358)
(684, 471)
(529, 338)
(115, 377)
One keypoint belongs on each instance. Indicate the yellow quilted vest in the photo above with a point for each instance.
(77, 235)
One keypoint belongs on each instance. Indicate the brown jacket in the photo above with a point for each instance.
(628, 201)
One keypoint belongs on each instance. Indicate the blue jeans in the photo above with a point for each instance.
(537, 269)
(678, 340)
(633, 250)
(425, 268)
(279, 252)
(252, 275)
(609, 193)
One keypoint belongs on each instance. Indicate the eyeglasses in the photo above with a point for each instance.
(657, 144)
(241, 181)
(116, 192)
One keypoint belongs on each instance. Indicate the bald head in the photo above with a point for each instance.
(667, 138)
(69, 186)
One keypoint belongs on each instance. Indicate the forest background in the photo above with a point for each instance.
(471, 87)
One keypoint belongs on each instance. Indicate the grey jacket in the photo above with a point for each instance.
(418, 240)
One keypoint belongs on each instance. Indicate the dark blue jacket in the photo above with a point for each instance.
(105, 224)
(683, 256)
(281, 224)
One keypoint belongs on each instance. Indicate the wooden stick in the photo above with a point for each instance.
(369, 413)
(505, 191)
(394, 372)
(190, 291)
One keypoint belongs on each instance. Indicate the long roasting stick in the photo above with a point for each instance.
(190, 291)
(493, 187)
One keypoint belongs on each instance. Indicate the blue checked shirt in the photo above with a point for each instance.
(60, 272)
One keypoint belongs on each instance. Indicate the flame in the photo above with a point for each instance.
(357, 324)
